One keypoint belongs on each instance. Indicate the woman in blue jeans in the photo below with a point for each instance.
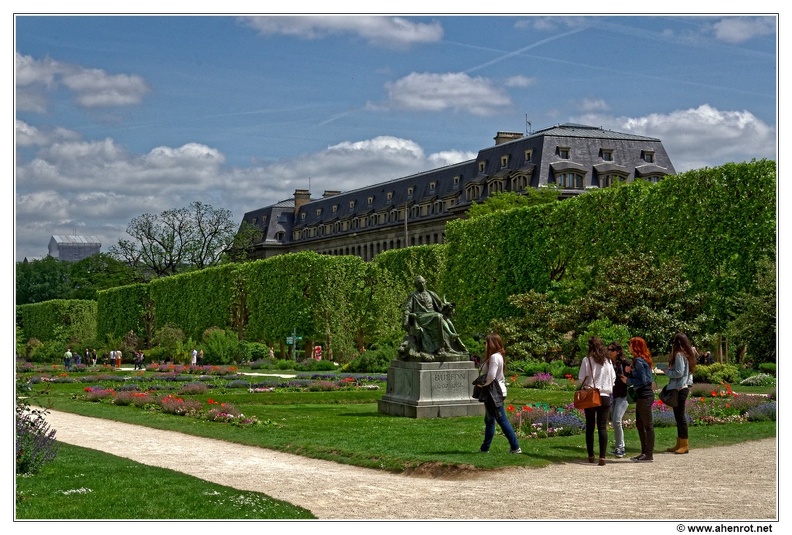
(495, 386)
(597, 370)
(619, 399)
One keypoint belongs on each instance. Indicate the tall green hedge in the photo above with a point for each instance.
(719, 223)
(124, 309)
(197, 300)
(71, 321)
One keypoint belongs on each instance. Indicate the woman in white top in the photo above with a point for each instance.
(597, 370)
(493, 400)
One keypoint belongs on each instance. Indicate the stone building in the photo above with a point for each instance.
(413, 210)
(73, 248)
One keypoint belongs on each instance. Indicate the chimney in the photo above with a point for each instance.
(330, 193)
(301, 196)
(503, 137)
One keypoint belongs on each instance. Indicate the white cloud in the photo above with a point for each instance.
(439, 92)
(97, 187)
(740, 29)
(700, 137)
(383, 31)
(92, 87)
(594, 105)
(520, 81)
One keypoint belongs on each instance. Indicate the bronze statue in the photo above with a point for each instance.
(430, 334)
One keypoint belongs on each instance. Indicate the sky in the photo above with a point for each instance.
(121, 115)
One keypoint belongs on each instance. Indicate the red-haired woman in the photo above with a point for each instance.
(680, 373)
(640, 376)
(493, 401)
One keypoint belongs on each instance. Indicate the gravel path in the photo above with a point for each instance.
(726, 483)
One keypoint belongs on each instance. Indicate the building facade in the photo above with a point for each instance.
(414, 210)
(73, 248)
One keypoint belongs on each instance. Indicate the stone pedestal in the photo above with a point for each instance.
(431, 390)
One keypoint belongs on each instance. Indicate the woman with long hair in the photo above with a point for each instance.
(495, 388)
(619, 398)
(680, 373)
(640, 376)
(597, 370)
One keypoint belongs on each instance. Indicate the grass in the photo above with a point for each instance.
(343, 426)
(75, 486)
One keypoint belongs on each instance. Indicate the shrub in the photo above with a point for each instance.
(768, 367)
(716, 373)
(761, 379)
(171, 404)
(35, 441)
(372, 361)
(254, 351)
(322, 386)
(763, 412)
(222, 347)
(238, 383)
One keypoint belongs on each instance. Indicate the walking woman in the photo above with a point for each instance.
(640, 376)
(619, 399)
(495, 386)
(680, 373)
(597, 370)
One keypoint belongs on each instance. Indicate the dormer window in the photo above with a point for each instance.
(456, 180)
(389, 195)
(432, 186)
(410, 191)
(371, 200)
(302, 216)
(648, 156)
(253, 221)
(606, 155)
(563, 152)
(482, 166)
(351, 204)
(528, 155)
(504, 161)
(318, 212)
(335, 208)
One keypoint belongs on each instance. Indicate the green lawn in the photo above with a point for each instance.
(342, 426)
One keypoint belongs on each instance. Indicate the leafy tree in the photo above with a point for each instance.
(175, 240)
(652, 299)
(754, 323)
(542, 331)
(241, 245)
(98, 272)
(506, 200)
(42, 280)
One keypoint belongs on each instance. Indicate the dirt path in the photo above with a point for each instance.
(726, 483)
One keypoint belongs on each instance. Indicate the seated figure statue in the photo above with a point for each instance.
(430, 333)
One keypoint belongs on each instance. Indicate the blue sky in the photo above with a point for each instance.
(117, 116)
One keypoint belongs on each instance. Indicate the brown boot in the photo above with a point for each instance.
(683, 446)
(674, 447)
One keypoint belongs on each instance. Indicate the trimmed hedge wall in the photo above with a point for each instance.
(70, 321)
(719, 223)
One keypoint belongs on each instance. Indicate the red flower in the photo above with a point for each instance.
(714, 394)
(526, 408)
(510, 408)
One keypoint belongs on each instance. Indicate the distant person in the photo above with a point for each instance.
(640, 376)
(93, 357)
(272, 353)
(680, 374)
(597, 370)
(706, 359)
(67, 358)
(318, 353)
(119, 356)
(199, 360)
(496, 393)
(194, 357)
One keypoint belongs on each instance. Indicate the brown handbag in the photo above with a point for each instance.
(587, 397)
